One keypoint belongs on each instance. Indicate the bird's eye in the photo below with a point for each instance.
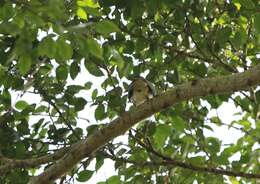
(139, 90)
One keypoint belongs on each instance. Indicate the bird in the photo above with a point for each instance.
(140, 90)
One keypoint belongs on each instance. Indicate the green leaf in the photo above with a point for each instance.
(138, 155)
(245, 158)
(84, 175)
(121, 152)
(197, 160)
(19, 21)
(130, 172)
(21, 105)
(88, 85)
(223, 35)
(117, 59)
(106, 27)
(33, 19)
(64, 50)
(93, 11)
(74, 70)
(6, 11)
(9, 28)
(94, 94)
(222, 159)
(233, 180)
(178, 123)
(29, 109)
(23, 128)
(72, 89)
(20, 149)
(239, 38)
(93, 69)
(47, 47)
(114, 180)
(246, 124)
(80, 104)
(24, 64)
(140, 44)
(5, 98)
(215, 120)
(100, 112)
(94, 48)
(257, 22)
(36, 126)
(62, 72)
(246, 3)
(99, 162)
(92, 128)
(213, 145)
(161, 133)
(3, 70)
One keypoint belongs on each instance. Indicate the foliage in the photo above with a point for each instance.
(45, 44)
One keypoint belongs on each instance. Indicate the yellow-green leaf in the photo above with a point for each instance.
(82, 14)
(89, 3)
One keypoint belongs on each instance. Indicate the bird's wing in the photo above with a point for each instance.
(130, 90)
(151, 88)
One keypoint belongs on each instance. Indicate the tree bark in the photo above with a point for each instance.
(9, 164)
(189, 90)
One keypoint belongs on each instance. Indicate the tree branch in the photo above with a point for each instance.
(29, 163)
(186, 91)
(185, 165)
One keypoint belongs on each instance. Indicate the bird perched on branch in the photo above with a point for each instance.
(140, 90)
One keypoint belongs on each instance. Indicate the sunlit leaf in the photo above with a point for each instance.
(81, 13)
(89, 3)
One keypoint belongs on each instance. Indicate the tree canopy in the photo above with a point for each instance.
(199, 54)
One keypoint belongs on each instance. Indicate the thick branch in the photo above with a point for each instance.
(10, 164)
(203, 87)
